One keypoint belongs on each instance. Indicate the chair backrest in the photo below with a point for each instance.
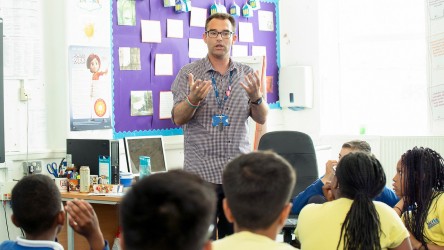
(298, 149)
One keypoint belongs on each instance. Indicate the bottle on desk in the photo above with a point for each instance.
(84, 179)
(144, 166)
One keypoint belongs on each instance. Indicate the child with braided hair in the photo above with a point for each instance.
(353, 220)
(419, 183)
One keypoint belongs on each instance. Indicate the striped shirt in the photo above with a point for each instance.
(207, 149)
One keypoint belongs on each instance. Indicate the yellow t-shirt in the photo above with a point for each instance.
(319, 225)
(247, 240)
(434, 226)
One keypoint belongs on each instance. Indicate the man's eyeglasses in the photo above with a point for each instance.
(224, 34)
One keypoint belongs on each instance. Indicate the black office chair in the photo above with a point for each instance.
(297, 148)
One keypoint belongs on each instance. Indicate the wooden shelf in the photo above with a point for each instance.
(107, 210)
(91, 198)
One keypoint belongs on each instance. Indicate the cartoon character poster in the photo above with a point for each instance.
(90, 88)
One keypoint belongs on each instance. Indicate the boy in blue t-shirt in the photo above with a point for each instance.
(318, 191)
(38, 210)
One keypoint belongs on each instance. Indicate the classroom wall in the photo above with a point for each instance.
(48, 134)
(299, 37)
(299, 46)
(56, 74)
(48, 137)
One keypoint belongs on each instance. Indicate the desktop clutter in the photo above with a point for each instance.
(103, 159)
(71, 178)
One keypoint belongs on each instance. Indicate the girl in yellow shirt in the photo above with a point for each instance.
(419, 183)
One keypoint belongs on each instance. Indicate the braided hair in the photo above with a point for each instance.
(423, 182)
(361, 178)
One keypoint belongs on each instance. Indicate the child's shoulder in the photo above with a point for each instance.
(8, 244)
(439, 201)
(34, 245)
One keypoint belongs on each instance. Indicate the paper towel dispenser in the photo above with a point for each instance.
(296, 86)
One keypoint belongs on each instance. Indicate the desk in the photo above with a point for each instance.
(107, 210)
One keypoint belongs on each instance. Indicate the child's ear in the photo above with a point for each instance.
(61, 218)
(227, 211)
(122, 241)
(14, 221)
(208, 245)
(60, 221)
(284, 214)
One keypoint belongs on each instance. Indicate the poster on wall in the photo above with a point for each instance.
(436, 56)
(21, 40)
(89, 88)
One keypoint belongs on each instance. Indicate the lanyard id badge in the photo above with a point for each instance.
(221, 120)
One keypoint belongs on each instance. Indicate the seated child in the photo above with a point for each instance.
(353, 220)
(171, 210)
(320, 189)
(257, 188)
(38, 210)
(419, 182)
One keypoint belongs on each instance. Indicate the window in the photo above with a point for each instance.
(373, 67)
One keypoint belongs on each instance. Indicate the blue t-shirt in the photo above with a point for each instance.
(30, 244)
(24, 244)
(387, 196)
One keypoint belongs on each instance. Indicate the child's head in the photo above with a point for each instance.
(355, 145)
(93, 63)
(360, 177)
(172, 210)
(419, 171)
(418, 181)
(36, 203)
(359, 173)
(257, 187)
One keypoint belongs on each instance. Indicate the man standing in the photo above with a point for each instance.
(213, 98)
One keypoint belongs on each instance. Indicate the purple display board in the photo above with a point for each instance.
(126, 81)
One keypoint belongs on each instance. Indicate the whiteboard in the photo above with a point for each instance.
(257, 63)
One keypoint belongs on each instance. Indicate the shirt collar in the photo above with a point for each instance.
(251, 235)
(39, 243)
(209, 67)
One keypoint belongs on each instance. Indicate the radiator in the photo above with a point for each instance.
(392, 147)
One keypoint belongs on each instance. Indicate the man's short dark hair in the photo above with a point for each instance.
(221, 16)
(35, 202)
(172, 210)
(257, 187)
(358, 145)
